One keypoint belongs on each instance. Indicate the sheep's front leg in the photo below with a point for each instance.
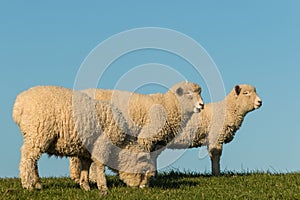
(215, 155)
(37, 181)
(84, 175)
(101, 178)
(153, 161)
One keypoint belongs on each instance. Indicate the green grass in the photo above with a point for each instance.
(171, 185)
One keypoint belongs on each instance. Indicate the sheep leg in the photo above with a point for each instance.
(75, 167)
(154, 156)
(37, 181)
(84, 175)
(28, 167)
(145, 181)
(101, 178)
(215, 155)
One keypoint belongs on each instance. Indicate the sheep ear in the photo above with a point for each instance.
(237, 89)
(179, 91)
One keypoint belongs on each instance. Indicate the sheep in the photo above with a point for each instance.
(153, 119)
(217, 123)
(62, 122)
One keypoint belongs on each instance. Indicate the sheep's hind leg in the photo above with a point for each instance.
(28, 167)
(84, 175)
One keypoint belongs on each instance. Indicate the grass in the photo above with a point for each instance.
(170, 185)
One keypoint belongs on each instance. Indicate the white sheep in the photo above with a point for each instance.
(153, 119)
(217, 123)
(62, 122)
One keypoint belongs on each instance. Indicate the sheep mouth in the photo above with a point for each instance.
(198, 107)
(197, 110)
(257, 105)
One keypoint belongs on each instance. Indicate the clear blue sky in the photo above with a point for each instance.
(257, 42)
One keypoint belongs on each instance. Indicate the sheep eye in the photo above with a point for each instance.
(190, 95)
(246, 93)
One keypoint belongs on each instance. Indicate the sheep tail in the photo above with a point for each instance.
(17, 112)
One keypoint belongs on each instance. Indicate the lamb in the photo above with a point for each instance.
(62, 122)
(217, 123)
(153, 119)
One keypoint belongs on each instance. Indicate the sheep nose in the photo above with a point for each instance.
(201, 105)
(198, 106)
(258, 103)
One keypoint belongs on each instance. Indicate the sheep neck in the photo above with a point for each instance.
(234, 118)
(174, 111)
(175, 120)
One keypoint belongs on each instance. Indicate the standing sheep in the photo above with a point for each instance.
(218, 123)
(153, 119)
(62, 122)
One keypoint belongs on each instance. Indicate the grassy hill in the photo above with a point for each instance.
(171, 185)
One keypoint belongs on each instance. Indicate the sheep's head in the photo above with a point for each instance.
(139, 177)
(246, 98)
(188, 95)
(141, 180)
(138, 167)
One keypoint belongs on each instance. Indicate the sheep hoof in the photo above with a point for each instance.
(76, 180)
(103, 192)
(38, 186)
(85, 186)
(216, 174)
(30, 188)
(143, 186)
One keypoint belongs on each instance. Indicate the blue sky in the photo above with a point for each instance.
(257, 42)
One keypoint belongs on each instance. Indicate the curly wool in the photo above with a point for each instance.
(62, 122)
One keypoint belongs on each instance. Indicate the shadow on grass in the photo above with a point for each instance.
(51, 183)
(176, 178)
(176, 174)
(166, 180)
(169, 179)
